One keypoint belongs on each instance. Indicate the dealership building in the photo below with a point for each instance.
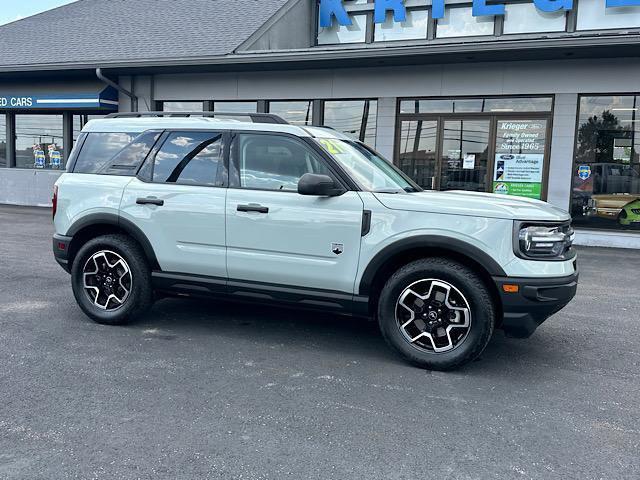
(519, 97)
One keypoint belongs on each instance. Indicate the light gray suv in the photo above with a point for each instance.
(260, 210)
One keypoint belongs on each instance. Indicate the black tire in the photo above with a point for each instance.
(139, 299)
(476, 293)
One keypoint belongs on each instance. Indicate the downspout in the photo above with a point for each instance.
(124, 91)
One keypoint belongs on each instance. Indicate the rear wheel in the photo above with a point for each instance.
(111, 280)
(437, 313)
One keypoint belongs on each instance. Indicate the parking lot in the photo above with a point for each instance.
(200, 389)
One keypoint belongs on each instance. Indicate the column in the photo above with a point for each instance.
(562, 148)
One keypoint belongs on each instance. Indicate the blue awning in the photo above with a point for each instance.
(105, 99)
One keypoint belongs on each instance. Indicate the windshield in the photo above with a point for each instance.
(367, 168)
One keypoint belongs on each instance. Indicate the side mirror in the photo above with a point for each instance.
(318, 185)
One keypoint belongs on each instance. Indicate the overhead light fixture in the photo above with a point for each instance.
(624, 109)
(502, 109)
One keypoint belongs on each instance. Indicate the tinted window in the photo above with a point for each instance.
(273, 162)
(99, 149)
(189, 158)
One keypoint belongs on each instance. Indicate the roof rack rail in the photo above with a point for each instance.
(254, 117)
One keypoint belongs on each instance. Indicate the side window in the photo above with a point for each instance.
(274, 162)
(99, 148)
(189, 158)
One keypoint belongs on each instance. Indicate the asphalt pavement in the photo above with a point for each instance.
(206, 390)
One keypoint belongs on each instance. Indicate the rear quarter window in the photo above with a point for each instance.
(114, 153)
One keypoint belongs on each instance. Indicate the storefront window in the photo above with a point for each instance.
(526, 18)
(39, 142)
(477, 105)
(335, 34)
(182, 106)
(3, 140)
(418, 143)
(296, 112)
(235, 107)
(606, 176)
(357, 118)
(594, 15)
(459, 22)
(465, 147)
(415, 27)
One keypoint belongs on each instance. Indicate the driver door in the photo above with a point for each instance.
(277, 237)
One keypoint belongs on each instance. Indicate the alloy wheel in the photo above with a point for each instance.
(433, 315)
(107, 280)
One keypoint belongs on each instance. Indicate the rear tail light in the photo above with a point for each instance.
(54, 201)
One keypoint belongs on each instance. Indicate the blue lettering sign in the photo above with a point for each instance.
(437, 9)
(382, 6)
(553, 5)
(480, 9)
(622, 3)
(333, 8)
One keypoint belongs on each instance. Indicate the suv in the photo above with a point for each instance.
(270, 212)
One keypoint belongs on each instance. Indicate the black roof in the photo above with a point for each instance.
(99, 31)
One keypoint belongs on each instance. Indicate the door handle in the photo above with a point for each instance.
(150, 201)
(253, 208)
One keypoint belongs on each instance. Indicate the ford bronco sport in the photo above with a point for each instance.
(257, 209)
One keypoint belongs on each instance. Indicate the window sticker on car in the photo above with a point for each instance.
(333, 147)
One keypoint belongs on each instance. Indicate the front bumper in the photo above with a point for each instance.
(61, 251)
(536, 300)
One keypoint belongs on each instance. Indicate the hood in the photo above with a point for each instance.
(475, 204)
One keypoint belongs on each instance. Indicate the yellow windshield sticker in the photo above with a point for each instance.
(332, 146)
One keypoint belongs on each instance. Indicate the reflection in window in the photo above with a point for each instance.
(477, 105)
(273, 162)
(39, 142)
(182, 106)
(79, 121)
(594, 15)
(356, 118)
(417, 144)
(606, 176)
(415, 27)
(526, 18)
(3, 140)
(235, 107)
(465, 147)
(335, 34)
(99, 148)
(296, 112)
(459, 22)
(189, 158)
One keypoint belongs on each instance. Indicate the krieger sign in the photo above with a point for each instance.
(335, 8)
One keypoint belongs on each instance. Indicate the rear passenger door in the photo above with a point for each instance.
(178, 201)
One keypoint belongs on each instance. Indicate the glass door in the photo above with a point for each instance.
(418, 141)
(464, 154)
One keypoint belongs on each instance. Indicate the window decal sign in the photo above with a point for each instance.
(55, 158)
(584, 172)
(39, 158)
(335, 8)
(519, 160)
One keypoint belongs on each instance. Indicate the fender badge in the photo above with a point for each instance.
(337, 248)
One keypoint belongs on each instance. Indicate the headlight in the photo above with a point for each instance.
(545, 242)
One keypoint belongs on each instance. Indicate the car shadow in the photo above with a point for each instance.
(306, 330)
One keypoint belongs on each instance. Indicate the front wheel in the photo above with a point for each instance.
(111, 280)
(437, 313)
